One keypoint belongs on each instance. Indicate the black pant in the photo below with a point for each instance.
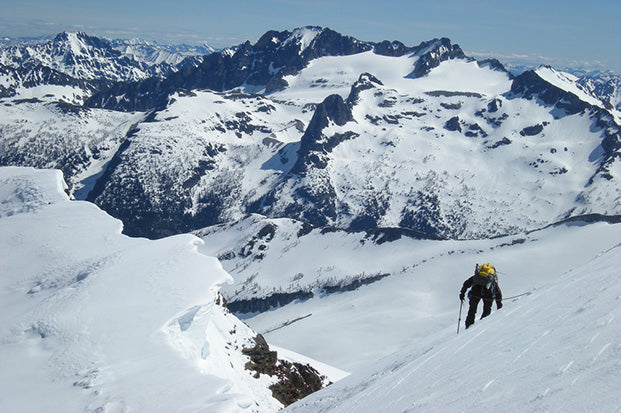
(474, 303)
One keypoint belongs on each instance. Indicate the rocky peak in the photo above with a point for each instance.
(299, 39)
(530, 85)
(277, 54)
(493, 64)
(432, 53)
(364, 82)
(79, 42)
(330, 43)
(82, 57)
(394, 48)
(314, 145)
(335, 109)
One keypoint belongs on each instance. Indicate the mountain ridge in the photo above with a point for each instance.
(265, 64)
(207, 154)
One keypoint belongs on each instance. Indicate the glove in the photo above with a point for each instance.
(461, 296)
(498, 305)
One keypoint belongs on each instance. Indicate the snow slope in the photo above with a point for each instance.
(555, 350)
(415, 295)
(92, 320)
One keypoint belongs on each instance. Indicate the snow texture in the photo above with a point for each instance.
(454, 152)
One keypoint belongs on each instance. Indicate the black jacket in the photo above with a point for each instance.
(478, 291)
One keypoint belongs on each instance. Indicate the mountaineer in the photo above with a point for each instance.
(483, 286)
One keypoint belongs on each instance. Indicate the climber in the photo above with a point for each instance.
(483, 285)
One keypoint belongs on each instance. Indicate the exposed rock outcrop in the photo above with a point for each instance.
(295, 380)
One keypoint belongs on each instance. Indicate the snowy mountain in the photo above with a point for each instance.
(57, 135)
(439, 155)
(82, 57)
(95, 321)
(605, 85)
(86, 62)
(262, 67)
(41, 83)
(320, 127)
(155, 53)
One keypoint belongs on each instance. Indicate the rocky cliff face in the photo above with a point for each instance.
(295, 380)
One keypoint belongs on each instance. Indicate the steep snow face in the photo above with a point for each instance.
(555, 350)
(303, 36)
(93, 320)
(569, 82)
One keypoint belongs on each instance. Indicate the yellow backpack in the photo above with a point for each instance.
(485, 275)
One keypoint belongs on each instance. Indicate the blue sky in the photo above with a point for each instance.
(561, 33)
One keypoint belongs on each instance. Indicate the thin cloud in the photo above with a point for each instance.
(535, 60)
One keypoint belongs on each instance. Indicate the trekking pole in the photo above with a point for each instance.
(459, 321)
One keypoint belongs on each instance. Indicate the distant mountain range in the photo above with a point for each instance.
(314, 126)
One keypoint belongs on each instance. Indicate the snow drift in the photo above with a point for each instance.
(94, 320)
